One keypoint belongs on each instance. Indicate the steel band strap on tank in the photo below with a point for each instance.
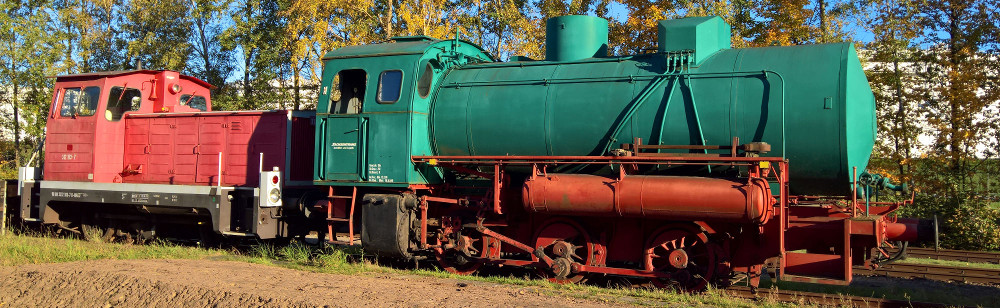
(620, 123)
(697, 119)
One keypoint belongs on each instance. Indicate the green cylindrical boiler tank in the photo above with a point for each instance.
(812, 103)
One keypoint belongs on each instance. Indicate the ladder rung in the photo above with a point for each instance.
(337, 219)
(343, 242)
(340, 197)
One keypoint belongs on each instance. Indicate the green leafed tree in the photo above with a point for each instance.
(209, 59)
(157, 33)
(30, 53)
(256, 37)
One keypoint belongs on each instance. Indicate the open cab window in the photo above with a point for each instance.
(194, 101)
(348, 94)
(79, 102)
(121, 100)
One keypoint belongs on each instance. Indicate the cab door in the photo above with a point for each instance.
(346, 128)
(69, 148)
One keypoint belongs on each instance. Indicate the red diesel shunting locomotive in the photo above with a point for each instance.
(132, 153)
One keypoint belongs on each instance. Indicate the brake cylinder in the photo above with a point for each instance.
(659, 197)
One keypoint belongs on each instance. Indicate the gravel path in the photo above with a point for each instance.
(206, 283)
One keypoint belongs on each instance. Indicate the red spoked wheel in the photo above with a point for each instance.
(461, 256)
(682, 253)
(566, 242)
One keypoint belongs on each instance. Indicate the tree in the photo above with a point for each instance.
(256, 34)
(895, 29)
(157, 33)
(31, 53)
(210, 60)
(958, 82)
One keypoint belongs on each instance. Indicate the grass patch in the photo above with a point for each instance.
(951, 294)
(18, 249)
(949, 263)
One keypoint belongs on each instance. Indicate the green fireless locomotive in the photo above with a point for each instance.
(691, 165)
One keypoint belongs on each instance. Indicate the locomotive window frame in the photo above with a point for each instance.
(70, 107)
(113, 111)
(348, 102)
(426, 80)
(397, 83)
(193, 101)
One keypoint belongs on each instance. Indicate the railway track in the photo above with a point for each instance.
(935, 272)
(954, 255)
(823, 298)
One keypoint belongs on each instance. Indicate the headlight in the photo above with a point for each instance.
(274, 196)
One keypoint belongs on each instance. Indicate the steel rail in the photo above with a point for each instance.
(823, 298)
(935, 272)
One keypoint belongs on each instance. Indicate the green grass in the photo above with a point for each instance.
(949, 263)
(22, 249)
(893, 291)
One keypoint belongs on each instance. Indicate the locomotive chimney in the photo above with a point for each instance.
(575, 37)
(701, 36)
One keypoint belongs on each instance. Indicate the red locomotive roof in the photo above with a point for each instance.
(120, 73)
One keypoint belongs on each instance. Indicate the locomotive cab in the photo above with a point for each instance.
(373, 108)
(85, 119)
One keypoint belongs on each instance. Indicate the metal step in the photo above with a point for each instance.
(230, 233)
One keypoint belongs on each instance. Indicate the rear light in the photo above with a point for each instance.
(274, 179)
(175, 88)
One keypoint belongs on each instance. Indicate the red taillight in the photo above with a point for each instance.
(274, 179)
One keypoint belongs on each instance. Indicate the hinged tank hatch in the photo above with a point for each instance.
(575, 37)
(701, 35)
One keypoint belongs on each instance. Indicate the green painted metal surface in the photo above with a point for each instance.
(778, 95)
(812, 103)
(372, 147)
(575, 37)
(703, 35)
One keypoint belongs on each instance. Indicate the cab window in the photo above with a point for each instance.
(389, 84)
(426, 78)
(120, 101)
(348, 93)
(194, 101)
(79, 102)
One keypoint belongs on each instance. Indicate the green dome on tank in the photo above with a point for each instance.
(575, 37)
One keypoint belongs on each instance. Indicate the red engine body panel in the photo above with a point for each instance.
(184, 148)
(162, 137)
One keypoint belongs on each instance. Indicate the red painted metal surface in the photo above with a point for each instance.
(184, 148)
(901, 231)
(662, 197)
(725, 228)
(87, 145)
(301, 153)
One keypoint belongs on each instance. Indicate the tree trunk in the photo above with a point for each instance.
(17, 125)
(298, 89)
(388, 20)
(900, 114)
(822, 21)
